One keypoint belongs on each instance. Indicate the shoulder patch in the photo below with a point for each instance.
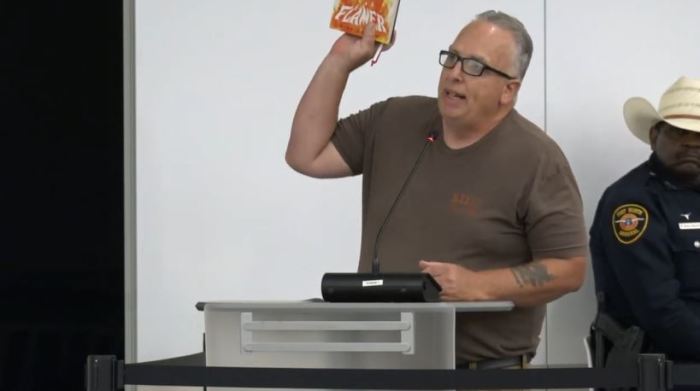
(629, 222)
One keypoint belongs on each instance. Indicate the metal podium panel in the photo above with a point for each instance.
(334, 335)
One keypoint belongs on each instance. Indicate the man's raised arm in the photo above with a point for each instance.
(310, 150)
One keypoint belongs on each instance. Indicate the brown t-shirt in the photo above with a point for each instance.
(507, 199)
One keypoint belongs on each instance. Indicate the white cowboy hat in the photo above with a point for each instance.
(679, 106)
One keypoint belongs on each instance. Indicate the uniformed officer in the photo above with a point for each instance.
(645, 239)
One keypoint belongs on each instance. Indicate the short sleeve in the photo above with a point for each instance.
(352, 135)
(554, 219)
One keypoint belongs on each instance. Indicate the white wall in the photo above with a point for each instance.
(219, 216)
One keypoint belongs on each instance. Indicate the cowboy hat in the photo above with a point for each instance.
(679, 106)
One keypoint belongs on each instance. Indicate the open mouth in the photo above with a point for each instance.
(454, 95)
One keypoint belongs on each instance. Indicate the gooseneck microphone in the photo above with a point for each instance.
(432, 136)
(384, 287)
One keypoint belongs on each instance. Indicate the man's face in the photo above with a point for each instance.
(468, 99)
(678, 149)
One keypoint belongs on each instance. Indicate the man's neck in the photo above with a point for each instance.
(458, 135)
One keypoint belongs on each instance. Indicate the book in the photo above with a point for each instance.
(351, 16)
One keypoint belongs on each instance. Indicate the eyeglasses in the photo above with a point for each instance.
(470, 66)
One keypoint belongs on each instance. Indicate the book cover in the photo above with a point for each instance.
(351, 16)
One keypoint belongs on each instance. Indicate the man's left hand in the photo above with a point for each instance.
(458, 283)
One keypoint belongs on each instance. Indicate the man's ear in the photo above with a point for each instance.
(510, 92)
(653, 136)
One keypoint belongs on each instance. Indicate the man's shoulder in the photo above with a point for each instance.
(526, 133)
(408, 113)
(416, 102)
(631, 184)
(628, 203)
(527, 142)
(397, 108)
(516, 119)
(633, 191)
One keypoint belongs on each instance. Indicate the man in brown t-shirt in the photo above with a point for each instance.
(492, 212)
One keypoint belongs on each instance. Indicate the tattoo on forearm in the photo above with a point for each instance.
(531, 274)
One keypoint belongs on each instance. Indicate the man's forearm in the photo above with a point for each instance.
(536, 282)
(529, 284)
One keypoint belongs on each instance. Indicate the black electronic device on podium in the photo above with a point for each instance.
(383, 287)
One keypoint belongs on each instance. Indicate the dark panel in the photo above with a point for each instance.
(61, 274)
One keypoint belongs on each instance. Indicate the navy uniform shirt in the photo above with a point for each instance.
(645, 244)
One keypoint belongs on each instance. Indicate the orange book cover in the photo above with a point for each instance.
(352, 16)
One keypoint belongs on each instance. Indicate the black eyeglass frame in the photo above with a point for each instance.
(461, 60)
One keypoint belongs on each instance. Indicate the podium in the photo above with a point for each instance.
(335, 335)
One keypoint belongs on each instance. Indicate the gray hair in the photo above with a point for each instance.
(523, 42)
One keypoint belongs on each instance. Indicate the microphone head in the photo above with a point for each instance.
(432, 136)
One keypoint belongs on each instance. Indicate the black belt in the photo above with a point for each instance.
(497, 363)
